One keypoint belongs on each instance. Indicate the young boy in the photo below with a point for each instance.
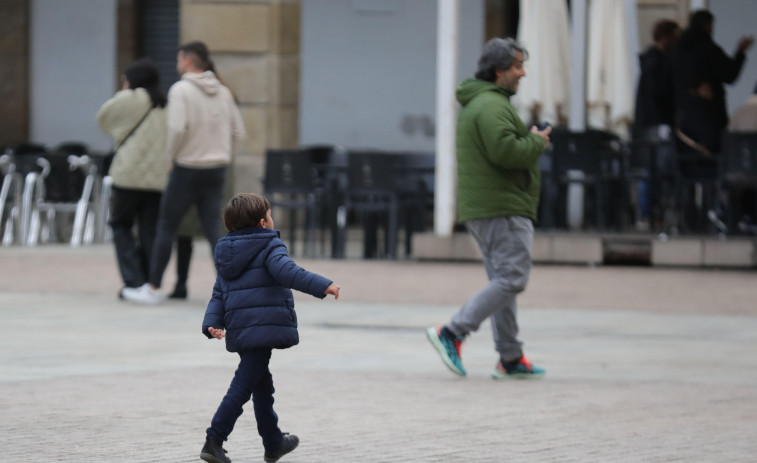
(253, 302)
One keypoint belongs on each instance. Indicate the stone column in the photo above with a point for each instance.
(255, 45)
(14, 72)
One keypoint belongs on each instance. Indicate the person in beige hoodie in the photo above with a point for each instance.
(135, 118)
(204, 128)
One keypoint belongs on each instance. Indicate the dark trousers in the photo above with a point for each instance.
(184, 248)
(201, 187)
(128, 206)
(252, 379)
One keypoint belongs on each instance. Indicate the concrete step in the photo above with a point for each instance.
(605, 248)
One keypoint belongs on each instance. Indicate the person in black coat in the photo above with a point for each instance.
(252, 301)
(655, 93)
(701, 68)
(653, 122)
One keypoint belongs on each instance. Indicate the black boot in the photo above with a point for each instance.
(213, 453)
(179, 291)
(183, 257)
(288, 443)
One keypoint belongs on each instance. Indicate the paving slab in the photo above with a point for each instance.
(642, 365)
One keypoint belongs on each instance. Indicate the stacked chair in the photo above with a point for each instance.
(42, 187)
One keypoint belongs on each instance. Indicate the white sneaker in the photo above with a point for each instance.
(143, 295)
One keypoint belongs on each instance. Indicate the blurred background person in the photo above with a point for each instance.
(136, 120)
(190, 226)
(204, 127)
(742, 195)
(701, 68)
(655, 115)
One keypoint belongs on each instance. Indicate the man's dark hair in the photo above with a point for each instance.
(701, 20)
(498, 54)
(244, 210)
(664, 28)
(199, 54)
(144, 74)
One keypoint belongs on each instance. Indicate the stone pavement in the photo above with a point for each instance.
(643, 365)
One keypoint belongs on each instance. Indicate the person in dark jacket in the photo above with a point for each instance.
(655, 93)
(654, 120)
(701, 68)
(252, 301)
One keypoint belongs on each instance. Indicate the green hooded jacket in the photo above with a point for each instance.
(497, 157)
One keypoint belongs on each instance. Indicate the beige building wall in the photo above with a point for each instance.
(651, 11)
(14, 72)
(255, 45)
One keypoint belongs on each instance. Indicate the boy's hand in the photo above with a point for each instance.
(216, 333)
(333, 290)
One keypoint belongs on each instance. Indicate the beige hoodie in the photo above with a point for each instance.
(204, 124)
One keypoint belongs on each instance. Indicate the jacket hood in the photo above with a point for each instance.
(235, 251)
(205, 81)
(471, 87)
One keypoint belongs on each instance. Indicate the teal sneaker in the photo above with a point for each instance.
(520, 369)
(448, 348)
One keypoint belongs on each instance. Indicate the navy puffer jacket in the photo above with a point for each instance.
(252, 299)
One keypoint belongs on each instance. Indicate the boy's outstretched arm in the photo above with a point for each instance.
(290, 275)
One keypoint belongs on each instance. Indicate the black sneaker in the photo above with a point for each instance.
(213, 453)
(288, 443)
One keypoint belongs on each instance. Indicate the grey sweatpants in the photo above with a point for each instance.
(505, 243)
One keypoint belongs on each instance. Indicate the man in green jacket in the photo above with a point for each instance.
(498, 195)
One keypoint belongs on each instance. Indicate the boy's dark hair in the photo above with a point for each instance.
(199, 54)
(244, 210)
(144, 74)
(664, 28)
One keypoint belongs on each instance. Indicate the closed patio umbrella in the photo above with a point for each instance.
(543, 30)
(610, 75)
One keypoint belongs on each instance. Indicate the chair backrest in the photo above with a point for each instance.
(72, 147)
(592, 151)
(739, 154)
(372, 171)
(61, 184)
(25, 156)
(288, 171)
(416, 172)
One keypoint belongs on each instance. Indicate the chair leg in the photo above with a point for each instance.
(370, 235)
(339, 232)
(392, 231)
(292, 237)
(310, 229)
(599, 212)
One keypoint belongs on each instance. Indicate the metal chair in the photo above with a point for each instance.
(371, 191)
(291, 183)
(594, 160)
(10, 200)
(63, 184)
(414, 182)
(738, 174)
